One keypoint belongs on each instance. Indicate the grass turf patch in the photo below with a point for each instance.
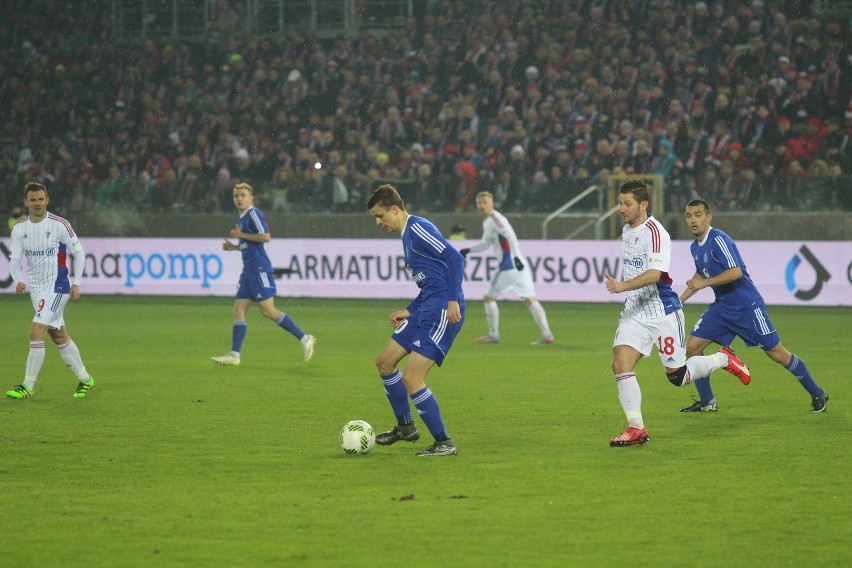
(174, 460)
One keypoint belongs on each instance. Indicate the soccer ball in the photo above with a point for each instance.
(357, 437)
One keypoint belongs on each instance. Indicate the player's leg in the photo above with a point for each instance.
(387, 363)
(712, 326)
(680, 370)
(49, 308)
(270, 312)
(540, 318)
(492, 317)
(798, 369)
(239, 330)
(632, 342)
(71, 355)
(434, 338)
(69, 352)
(500, 282)
(35, 360)
(426, 404)
(706, 402)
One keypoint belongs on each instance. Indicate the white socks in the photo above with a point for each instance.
(492, 316)
(34, 362)
(702, 365)
(71, 356)
(631, 399)
(540, 319)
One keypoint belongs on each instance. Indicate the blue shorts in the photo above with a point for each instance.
(429, 333)
(256, 286)
(752, 326)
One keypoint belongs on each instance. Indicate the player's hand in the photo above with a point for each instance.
(453, 312)
(20, 288)
(611, 283)
(228, 245)
(398, 317)
(518, 264)
(236, 232)
(75, 292)
(695, 283)
(464, 252)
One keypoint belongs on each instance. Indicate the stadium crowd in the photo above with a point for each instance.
(744, 104)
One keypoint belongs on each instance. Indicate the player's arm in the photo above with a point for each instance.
(507, 232)
(647, 278)
(689, 292)
(251, 237)
(398, 317)
(15, 263)
(455, 276)
(480, 246)
(698, 282)
(78, 263)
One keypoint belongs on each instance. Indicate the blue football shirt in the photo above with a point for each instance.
(718, 253)
(436, 267)
(254, 254)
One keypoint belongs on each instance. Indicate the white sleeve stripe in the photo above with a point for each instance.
(63, 221)
(723, 246)
(257, 223)
(423, 234)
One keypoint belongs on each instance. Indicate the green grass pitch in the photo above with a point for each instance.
(173, 461)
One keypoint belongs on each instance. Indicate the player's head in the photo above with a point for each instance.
(485, 202)
(633, 199)
(36, 199)
(387, 207)
(34, 187)
(698, 218)
(243, 197)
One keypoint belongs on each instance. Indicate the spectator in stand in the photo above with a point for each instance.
(546, 75)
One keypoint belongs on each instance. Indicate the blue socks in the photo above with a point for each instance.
(428, 409)
(705, 393)
(800, 371)
(285, 323)
(796, 366)
(238, 335)
(398, 397)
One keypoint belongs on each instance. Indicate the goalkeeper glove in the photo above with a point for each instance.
(518, 264)
(464, 252)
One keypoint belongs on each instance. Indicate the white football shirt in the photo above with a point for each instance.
(500, 236)
(643, 248)
(46, 245)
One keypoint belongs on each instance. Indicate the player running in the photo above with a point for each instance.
(737, 311)
(652, 314)
(257, 283)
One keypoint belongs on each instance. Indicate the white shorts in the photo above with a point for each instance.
(505, 281)
(666, 334)
(49, 307)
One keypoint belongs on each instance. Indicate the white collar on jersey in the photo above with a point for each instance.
(707, 236)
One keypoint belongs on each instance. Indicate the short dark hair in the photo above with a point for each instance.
(699, 203)
(34, 186)
(638, 188)
(387, 196)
